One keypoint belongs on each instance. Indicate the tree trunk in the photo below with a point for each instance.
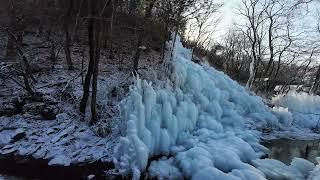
(96, 71)
(141, 35)
(164, 41)
(52, 53)
(67, 36)
(87, 82)
(252, 74)
(176, 25)
(132, 6)
(316, 84)
(11, 50)
(137, 54)
(67, 49)
(94, 35)
(253, 66)
(271, 49)
(174, 42)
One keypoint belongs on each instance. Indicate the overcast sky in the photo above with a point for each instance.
(229, 16)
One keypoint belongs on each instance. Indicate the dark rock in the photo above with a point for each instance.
(33, 108)
(156, 48)
(11, 106)
(103, 132)
(7, 109)
(111, 56)
(49, 113)
(20, 135)
(113, 92)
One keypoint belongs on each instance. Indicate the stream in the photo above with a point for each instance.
(285, 150)
(19, 168)
(27, 168)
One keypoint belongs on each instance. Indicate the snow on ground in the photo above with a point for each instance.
(299, 102)
(298, 114)
(65, 140)
(62, 142)
(205, 125)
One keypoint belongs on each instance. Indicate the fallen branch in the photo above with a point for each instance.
(71, 80)
(52, 84)
(61, 83)
(27, 88)
(22, 54)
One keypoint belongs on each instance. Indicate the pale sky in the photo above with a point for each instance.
(228, 16)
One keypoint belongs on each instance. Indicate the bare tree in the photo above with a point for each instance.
(202, 25)
(253, 12)
(148, 13)
(66, 28)
(274, 11)
(316, 85)
(96, 11)
(268, 24)
(16, 26)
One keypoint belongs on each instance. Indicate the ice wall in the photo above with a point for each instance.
(203, 118)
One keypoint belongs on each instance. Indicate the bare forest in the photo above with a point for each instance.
(83, 84)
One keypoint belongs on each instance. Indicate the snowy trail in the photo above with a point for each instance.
(207, 122)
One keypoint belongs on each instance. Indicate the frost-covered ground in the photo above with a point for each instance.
(204, 125)
(66, 139)
(62, 142)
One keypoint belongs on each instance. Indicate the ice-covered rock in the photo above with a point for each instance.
(164, 168)
(276, 170)
(60, 160)
(315, 174)
(11, 135)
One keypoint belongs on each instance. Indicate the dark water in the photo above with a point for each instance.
(5, 177)
(286, 149)
(25, 168)
(281, 149)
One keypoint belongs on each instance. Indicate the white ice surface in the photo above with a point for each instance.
(299, 169)
(304, 109)
(299, 102)
(298, 114)
(315, 174)
(207, 122)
